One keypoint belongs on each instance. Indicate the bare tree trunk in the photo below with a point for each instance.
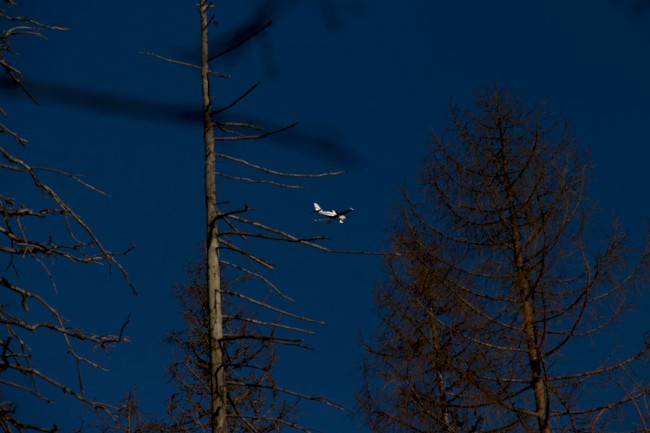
(213, 275)
(527, 304)
(530, 330)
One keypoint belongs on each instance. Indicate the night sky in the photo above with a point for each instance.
(366, 81)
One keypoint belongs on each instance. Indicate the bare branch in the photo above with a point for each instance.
(272, 308)
(181, 63)
(275, 172)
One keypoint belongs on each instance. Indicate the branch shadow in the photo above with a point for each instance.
(317, 141)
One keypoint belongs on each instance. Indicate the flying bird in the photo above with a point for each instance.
(331, 214)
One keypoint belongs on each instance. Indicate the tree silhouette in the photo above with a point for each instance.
(224, 376)
(222, 228)
(493, 310)
(38, 229)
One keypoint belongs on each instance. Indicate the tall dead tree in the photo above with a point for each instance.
(220, 240)
(229, 352)
(38, 229)
(496, 312)
(213, 277)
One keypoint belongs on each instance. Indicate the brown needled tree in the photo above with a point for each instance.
(493, 313)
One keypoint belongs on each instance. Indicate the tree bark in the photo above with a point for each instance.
(213, 275)
(527, 305)
(532, 339)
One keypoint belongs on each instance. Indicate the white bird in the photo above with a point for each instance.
(331, 214)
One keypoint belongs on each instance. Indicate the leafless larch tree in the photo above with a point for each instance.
(499, 311)
(38, 230)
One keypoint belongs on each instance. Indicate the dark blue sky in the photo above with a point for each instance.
(366, 80)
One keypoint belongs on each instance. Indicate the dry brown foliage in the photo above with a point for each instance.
(496, 312)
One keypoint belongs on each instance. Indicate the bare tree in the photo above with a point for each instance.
(225, 377)
(38, 228)
(255, 401)
(126, 417)
(219, 241)
(496, 312)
